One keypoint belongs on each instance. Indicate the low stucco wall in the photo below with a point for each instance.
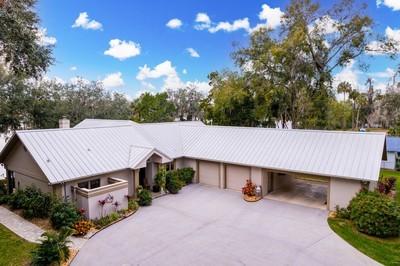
(90, 201)
(341, 191)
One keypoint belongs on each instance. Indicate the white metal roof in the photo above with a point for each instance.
(88, 123)
(65, 154)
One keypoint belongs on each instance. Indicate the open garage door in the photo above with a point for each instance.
(296, 188)
(209, 173)
(236, 176)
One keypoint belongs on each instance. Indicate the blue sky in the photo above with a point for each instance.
(129, 45)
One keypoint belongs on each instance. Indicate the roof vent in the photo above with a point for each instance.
(64, 122)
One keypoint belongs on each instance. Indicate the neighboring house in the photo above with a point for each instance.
(393, 153)
(108, 159)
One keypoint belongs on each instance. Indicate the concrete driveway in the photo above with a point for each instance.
(207, 226)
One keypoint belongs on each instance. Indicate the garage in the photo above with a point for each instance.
(209, 173)
(236, 176)
(306, 190)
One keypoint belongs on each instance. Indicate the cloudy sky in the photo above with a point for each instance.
(136, 46)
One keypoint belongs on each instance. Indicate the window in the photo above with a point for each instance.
(95, 183)
(83, 184)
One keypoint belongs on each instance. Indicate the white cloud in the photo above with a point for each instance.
(272, 16)
(229, 27)
(164, 70)
(203, 21)
(84, 22)
(393, 35)
(325, 25)
(171, 79)
(393, 4)
(122, 49)
(184, 71)
(174, 23)
(73, 68)
(388, 73)
(192, 52)
(43, 39)
(349, 74)
(113, 80)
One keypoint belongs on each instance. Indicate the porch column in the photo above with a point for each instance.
(136, 181)
(222, 178)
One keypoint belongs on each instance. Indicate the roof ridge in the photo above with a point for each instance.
(69, 129)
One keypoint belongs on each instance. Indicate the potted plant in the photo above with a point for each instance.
(249, 192)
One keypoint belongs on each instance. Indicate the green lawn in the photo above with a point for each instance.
(13, 249)
(385, 251)
(388, 173)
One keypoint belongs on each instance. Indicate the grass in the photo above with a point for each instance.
(396, 174)
(13, 249)
(385, 251)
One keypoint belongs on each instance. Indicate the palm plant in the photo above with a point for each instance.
(53, 248)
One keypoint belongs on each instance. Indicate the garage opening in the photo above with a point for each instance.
(298, 189)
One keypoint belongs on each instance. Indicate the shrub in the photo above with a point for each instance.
(133, 205)
(3, 187)
(342, 213)
(144, 196)
(36, 204)
(160, 177)
(106, 220)
(17, 199)
(53, 248)
(375, 214)
(64, 214)
(186, 174)
(4, 199)
(173, 182)
(82, 227)
(386, 185)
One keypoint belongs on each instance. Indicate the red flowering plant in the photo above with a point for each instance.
(249, 189)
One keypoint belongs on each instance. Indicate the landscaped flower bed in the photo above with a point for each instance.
(249, 192)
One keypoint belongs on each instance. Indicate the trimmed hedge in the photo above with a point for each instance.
(32, 201)
(375, 214)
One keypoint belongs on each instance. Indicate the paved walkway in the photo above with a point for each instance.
(28, 230)
(207, 226)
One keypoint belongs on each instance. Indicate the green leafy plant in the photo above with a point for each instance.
(186, 174)
(3, 187)
(53, 248)
(375, 214)
(132, 205)
(64, 214)
(144, 196)
(106, 220)
(36, 203)
(17, 199)
(160, 178)
(173, 182)
(342, 213)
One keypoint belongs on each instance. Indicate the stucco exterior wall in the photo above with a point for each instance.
(93, 209)
(341, 191)
(26, 170)
(123, 174)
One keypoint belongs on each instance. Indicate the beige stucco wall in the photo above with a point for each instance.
(209, 173)
(236, 176)
(123, 174)
(26, 171)
(341, 191)
(93, 209)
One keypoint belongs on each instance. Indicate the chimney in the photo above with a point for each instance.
(63, 122)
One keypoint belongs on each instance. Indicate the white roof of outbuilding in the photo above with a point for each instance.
(88, 123)
(65, 154)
